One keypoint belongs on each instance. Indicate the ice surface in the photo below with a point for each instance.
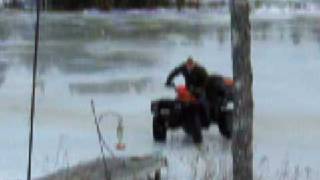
(118, 50)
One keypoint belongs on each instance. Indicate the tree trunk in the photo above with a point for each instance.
(243, 114)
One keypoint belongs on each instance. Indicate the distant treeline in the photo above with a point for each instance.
(103, 4)
(122, 4)
(128, 4)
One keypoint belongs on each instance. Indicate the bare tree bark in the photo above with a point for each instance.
(243, 114)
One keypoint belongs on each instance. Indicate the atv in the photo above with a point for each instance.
(186, 112)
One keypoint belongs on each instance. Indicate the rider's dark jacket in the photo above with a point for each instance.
(195, 80)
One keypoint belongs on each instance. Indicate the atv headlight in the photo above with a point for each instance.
(230, 106)
(165, 111)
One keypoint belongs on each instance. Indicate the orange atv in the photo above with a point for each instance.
(185, 111)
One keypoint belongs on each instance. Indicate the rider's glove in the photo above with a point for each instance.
(169, 84)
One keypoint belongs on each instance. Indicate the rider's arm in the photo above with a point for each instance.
(176, 71)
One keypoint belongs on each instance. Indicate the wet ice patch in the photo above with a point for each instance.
(130, 58)
(120, 54)
(114, 86)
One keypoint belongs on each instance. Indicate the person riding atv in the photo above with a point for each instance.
(205, 99)
(196, 78)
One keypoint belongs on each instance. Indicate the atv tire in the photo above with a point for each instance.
(225, 125)
(159, 130)
(192, 127)
(197, 133)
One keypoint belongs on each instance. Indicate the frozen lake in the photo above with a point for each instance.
(121, 60)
